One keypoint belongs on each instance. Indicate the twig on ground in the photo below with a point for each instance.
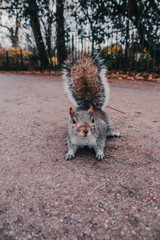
(116, 109)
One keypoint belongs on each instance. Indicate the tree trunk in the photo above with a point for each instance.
(92, 40)
(33, 12)
(14, 35)
(60, 43)
(48, 39)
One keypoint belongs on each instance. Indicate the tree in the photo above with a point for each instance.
(13, 29)
(13, 32)
(89, 14)
(144, 15)
(35, 24)
(29, 10)
(60, 37)
(47, 20)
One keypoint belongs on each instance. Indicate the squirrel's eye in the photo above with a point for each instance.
(92, 120)
(74, 121)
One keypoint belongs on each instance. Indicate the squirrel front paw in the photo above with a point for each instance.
(99, 156)
(70, 156)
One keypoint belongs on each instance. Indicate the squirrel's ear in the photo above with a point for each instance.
(71, 112)
(91, 110)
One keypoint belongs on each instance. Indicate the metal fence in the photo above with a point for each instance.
(121, 49)
(12, 59)
(17, 59)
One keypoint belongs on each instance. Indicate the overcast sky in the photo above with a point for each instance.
(4, 40)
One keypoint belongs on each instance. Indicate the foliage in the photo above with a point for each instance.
(34, 13)
(21, 59)
(93, 21)
(89, 14)
(33, 61)
(141, 14)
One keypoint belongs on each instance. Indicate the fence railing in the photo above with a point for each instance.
(122, 51)
(15, 59)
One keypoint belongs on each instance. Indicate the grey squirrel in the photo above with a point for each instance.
(86, 85)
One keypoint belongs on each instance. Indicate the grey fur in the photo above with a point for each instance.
(103, 128)
(100, 129)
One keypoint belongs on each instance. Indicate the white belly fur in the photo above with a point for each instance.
(89, 141)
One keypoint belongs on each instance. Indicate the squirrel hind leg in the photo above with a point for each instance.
(114, 133)
(111, 130)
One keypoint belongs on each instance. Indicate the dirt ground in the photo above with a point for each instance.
(43, 196)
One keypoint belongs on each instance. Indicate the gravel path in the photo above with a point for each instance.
(42, 196)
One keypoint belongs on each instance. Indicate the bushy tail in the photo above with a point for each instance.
(86, 83)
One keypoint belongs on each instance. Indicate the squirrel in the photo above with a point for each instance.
(86, 85)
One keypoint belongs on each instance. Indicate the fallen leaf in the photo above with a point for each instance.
(155, 75)
(137, 75)
(129, 138)
(149, 77)
(56, 159)
(141, 78)
(42, 207)
(109, 212)
(148, 198)
(106, 154)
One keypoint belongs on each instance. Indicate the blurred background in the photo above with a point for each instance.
(41, 34)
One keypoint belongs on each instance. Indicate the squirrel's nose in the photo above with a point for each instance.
(85, 131)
